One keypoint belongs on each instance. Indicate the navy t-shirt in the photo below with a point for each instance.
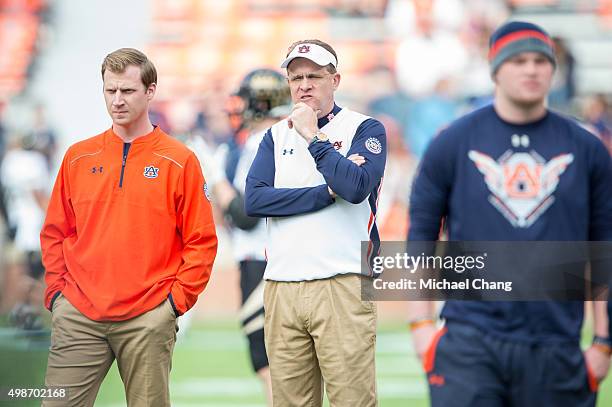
(490, 180)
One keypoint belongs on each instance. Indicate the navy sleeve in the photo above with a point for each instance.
(352, 182)
(263, 200)
(600, 227)
(431, 190)
(600, 214)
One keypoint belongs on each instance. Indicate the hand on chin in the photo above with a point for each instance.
(311, 102)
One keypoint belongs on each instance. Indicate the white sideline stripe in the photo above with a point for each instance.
(394, 352)
(192, 404)
(84, 155)
(250, 386)
(254, 302)
(199, 388)
(393, 343)
(398, 365)
(168, 158)
(387, 344)
(213, 341)
(404, 387)
(244, 386)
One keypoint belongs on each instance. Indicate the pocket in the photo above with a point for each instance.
(54, 300)
(354, 283)
(565, 369)
(371, 305)
(170, 305)
(429, 358)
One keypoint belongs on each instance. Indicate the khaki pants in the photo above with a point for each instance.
(83, 350)
(320, 332)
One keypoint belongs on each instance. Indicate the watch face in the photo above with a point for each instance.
(322, 136)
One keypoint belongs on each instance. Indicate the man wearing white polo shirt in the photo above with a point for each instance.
(316, 177)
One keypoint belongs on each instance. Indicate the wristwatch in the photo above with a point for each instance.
(319, 136)
(603, 344)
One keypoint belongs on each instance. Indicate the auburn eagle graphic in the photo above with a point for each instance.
(521, 184)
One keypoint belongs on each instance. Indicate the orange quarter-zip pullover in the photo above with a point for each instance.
(128, 225)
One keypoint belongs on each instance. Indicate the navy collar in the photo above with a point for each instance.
(328, 117)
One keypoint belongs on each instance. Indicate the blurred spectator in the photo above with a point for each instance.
(212, 116)
(357, 8)
(429, 66)
(491, 12)
(158, 117)
(386, 98)
(24, 175)
(430, 55)
(2, 131)
(229, 152)
(392, 214)
(429, 115)
(3, 212)
(476, 83)
(597, 115)
(564, 83)
(42, 136)
(402, 16)
(180, 115)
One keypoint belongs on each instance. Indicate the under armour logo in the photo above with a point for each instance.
(436, 380)
(95, 170)
(285, 151)
(519, 141)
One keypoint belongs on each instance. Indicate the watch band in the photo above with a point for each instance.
(419, 322)
(603, 344)
(602, 340)
(318, 137)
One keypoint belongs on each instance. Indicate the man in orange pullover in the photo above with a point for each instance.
(128, 245)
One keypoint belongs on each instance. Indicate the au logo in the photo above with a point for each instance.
(151, 172)
(522, 185)
(304, 49)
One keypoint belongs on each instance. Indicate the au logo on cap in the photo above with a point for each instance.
(304, 49)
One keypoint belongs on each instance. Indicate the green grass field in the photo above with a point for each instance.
(211, 368)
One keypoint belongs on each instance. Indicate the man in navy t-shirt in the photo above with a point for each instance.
(480, 176)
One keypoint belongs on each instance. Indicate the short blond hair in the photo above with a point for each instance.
(118, 61)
